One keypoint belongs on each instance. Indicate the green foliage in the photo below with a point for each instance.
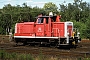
(87, 30)
(41, 56)
(78, 12)
(81, 28)
(14, 56)
(5, 55)
(50, 7)
(25, 57)
(10, 15)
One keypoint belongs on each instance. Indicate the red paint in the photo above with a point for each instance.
(58, 29)
(69, 28)
(42, 28)
(25, 28)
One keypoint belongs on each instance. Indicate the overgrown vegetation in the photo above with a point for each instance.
(78, 12)
(14, 56)
(23, 56)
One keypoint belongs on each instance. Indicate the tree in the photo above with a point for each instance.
(87, 30)
(50, 7)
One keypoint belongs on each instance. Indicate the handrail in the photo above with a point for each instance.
(57, 31)
(57, 34)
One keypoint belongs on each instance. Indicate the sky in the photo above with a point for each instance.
(33, 3)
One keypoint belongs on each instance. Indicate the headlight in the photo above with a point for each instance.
(78, 33)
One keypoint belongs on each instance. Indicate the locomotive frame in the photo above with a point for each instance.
(49, 31)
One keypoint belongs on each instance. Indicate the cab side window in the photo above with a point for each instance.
(40, 20)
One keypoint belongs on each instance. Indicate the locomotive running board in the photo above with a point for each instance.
(35, 37)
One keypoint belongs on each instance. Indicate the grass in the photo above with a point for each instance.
(14, 56)
(17, 56)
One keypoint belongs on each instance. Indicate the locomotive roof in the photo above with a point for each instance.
(45, 16)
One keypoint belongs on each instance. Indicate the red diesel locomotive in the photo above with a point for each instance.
(47, 30)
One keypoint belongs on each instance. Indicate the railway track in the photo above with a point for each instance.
(83, 51)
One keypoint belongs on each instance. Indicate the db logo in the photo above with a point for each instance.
(39, 29)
